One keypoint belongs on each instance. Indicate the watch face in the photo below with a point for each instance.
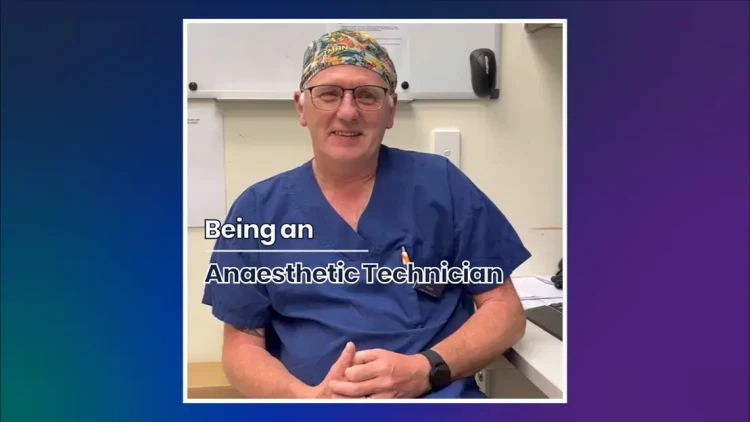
(441, 376)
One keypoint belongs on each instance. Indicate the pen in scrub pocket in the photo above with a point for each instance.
(404, 256)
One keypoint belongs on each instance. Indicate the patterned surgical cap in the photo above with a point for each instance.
(356, 48)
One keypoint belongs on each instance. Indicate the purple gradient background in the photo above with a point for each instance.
(657, 211)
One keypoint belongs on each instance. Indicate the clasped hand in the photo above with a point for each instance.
(377, 374)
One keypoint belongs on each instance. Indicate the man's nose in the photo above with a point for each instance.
(348, 108)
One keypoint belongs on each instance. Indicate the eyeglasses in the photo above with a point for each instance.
(366, 97)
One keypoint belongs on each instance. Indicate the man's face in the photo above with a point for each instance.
(347, 133)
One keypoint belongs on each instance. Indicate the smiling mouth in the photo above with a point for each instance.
(349, 134)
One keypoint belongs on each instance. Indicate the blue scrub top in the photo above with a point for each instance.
(420, 201)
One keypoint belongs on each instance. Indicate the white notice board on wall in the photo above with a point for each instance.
(262, 60)
(206, 186)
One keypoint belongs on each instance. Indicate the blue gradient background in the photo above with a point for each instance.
(657, 211)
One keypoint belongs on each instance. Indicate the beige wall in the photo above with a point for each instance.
(511, 148)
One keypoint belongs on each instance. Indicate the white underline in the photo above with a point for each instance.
(290, 250)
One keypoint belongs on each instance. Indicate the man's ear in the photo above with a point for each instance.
(299, 100)
(393, 99)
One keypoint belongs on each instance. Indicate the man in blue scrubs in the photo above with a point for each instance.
(367, 204)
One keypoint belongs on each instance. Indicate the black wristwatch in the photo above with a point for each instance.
(440, 373)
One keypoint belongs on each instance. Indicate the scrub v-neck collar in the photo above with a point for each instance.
(330, 229)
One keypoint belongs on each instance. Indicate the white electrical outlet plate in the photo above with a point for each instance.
(447, 142)
(481, 379)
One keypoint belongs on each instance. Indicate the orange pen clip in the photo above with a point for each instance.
(404, 256)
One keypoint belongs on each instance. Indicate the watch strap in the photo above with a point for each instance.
(439, 376)
(433, 357)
